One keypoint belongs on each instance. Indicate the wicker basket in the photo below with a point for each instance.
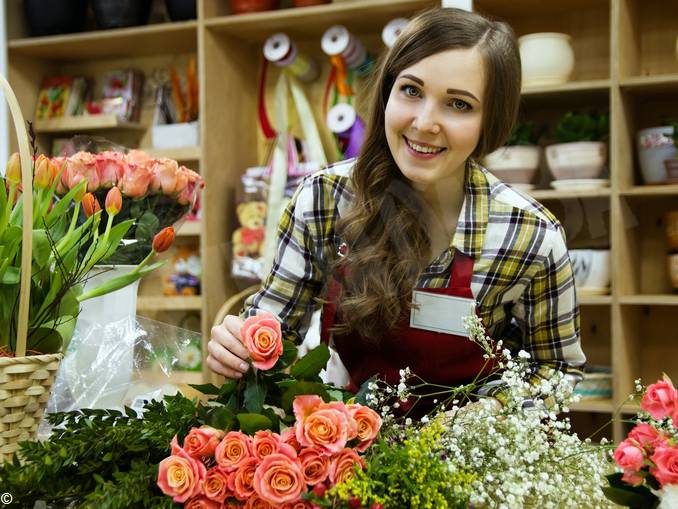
(25, 381)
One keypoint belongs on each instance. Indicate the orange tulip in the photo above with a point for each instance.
(43, 172)
(90, 205)
(113, 201)
(13, 170)
(163, 239)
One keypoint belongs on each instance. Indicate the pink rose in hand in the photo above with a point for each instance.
(660, 399)
(181, 476)
(201, 442)
(278, 479)
(343, 466)
(628, 456)
(262, 336)
(665, 470)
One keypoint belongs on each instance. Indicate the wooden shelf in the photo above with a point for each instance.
(163, 303)
(603, 406)
(657, 83)
(178, 154)
(594, 300)
(572, 86)
(157, 39)
(84, 123)
(650, 300)
(190, 229)
(652, 190)
(555, 194)
(311, 22)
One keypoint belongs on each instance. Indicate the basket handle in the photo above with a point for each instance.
(27, 230)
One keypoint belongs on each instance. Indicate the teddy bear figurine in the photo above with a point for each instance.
(248, 240)
(187, 271)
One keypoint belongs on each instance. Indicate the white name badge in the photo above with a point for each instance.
(440, 313)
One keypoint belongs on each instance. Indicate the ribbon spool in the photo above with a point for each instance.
(337, 40)
(343, 120)
(280, 50)
(392, 31)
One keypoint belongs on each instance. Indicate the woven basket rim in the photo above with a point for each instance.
(28, 359)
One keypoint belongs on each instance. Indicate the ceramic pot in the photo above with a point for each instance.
(55, 17)
(244, 6)
(547, 58)
(121, 13)
(673, 270)
(591, 269)
(577, 160)
(655, 146)
(671, 230)
(181, 10)
(514, 164)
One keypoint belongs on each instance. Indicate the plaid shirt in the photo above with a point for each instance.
(522, 277)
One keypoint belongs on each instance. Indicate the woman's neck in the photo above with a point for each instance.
(444, 198)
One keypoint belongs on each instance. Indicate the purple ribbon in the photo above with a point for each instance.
(352, 139)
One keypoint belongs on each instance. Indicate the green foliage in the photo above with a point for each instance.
(623, 494)
(582, 127)
(525, 133)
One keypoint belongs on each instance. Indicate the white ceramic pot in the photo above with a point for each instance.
(655, 145)
(577, 160)
(591, 270)
(516, 164)
(547, 58)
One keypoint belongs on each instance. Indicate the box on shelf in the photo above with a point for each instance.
(175, 135)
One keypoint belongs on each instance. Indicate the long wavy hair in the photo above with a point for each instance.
(388, 244)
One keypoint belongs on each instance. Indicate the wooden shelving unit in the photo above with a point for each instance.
(181, 154)
(84, 123)
(625, 63)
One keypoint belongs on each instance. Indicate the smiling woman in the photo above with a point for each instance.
(401, 243)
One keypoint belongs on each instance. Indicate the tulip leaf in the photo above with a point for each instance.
(61, 207)
(115, 236)
(41, 247)
(11, 276)
(303, 388)
(251, 423)
(310, 365)
(45, 339)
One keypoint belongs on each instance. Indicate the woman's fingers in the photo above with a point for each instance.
(225, 362)
(232, 325)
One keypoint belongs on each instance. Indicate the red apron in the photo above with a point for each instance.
(436, 357)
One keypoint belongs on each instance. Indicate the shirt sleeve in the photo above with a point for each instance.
(296, 276)
(547, 317)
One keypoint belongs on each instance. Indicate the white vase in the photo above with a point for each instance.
(98, 366)
(577, 160)
(655, 145)
(515, 164)
(547, 58)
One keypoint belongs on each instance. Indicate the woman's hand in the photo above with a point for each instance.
(227, 355)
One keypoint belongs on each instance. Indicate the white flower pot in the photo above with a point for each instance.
(577, 160)
(655, 145)
(515, 164)
(591, 269)
(547, 58)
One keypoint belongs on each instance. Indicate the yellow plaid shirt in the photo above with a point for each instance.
(522, 276)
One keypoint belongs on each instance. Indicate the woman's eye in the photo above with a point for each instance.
(458, 104)
(410, 91)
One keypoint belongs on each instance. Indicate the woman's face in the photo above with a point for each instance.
(434, 115)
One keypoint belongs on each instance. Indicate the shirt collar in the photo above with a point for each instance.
(475, 212)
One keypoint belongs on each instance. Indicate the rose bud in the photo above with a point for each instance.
(90, 205)
(13, 170)
(163, 239)
(319, 490)
(113, 201)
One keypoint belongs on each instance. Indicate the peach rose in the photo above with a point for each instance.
(298, 504)
(233, 449)
(265, 443)
(262, 336)
(257, 503)
(278, 479)
(289, 436)
(135, 181)
(241, 480)
(201, 502)
(660, 399)
(165, 176)
(216, 485)
(646, 436)
(327, 425)
(181, 476)
(82, 165)
(315, 465)
(110, 167)
(138, 158)
(368, 422)
(194, 183)
(628, 456)
(343, 466)
(666, 465)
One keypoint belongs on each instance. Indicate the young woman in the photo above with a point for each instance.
(415, 218)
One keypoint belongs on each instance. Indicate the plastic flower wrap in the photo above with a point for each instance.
(156, 192)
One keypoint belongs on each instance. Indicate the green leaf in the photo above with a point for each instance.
(310, 365)
(289, 355)
(251, 423)
(634, 497)
(303, 388)
(208, 389)
(45, 340)
(61, 207)
(147, 226)
(11, 276)
(221, 418)
(41, 247)
(255, 393)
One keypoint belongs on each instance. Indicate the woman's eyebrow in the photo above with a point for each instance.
(451, 91)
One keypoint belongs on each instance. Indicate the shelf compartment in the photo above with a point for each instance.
(650, 83)
(650, 300)
(594, 300)
(156, 39)
(182, 154)
(84, 123)
(554, 194)
(569, 87)
(651, 190)
(164, 303)
(190, 229)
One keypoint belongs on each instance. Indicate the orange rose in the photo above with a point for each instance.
(262, 336)
(257, 503)
(368, 422)
(326, 425)
(110, 167)
(181, 476)
(299, 504)
(289, 436)
(216, 485)
(315, 465)
(265, 443)
(242, 479)
(82, 165)
(233, 450)
(278, 479)
(201, 502)
(165, 176)
(201, 442)
(135, 181)
(343, 466)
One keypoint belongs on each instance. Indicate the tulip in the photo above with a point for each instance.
(90, 205)
(113, 201)
(43, 172)
(163, 239)
(13, 170)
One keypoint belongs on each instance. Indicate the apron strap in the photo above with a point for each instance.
(329, 310)
(462, 270)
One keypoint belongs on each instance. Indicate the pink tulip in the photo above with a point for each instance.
(113, 201)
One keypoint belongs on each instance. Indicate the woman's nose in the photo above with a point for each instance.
(425, 120)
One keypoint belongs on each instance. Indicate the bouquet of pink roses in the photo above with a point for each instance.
(260, 467)
(648, 457)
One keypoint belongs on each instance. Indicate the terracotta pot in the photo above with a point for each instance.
(243, 6)
(671, 229)
(308, 3)
(673, 270)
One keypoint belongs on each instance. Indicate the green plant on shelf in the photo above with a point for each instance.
(525, 133)
(574, 126)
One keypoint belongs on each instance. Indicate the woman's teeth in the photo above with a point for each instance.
(422, 149)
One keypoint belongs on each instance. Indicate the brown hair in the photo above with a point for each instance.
(388, 244)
